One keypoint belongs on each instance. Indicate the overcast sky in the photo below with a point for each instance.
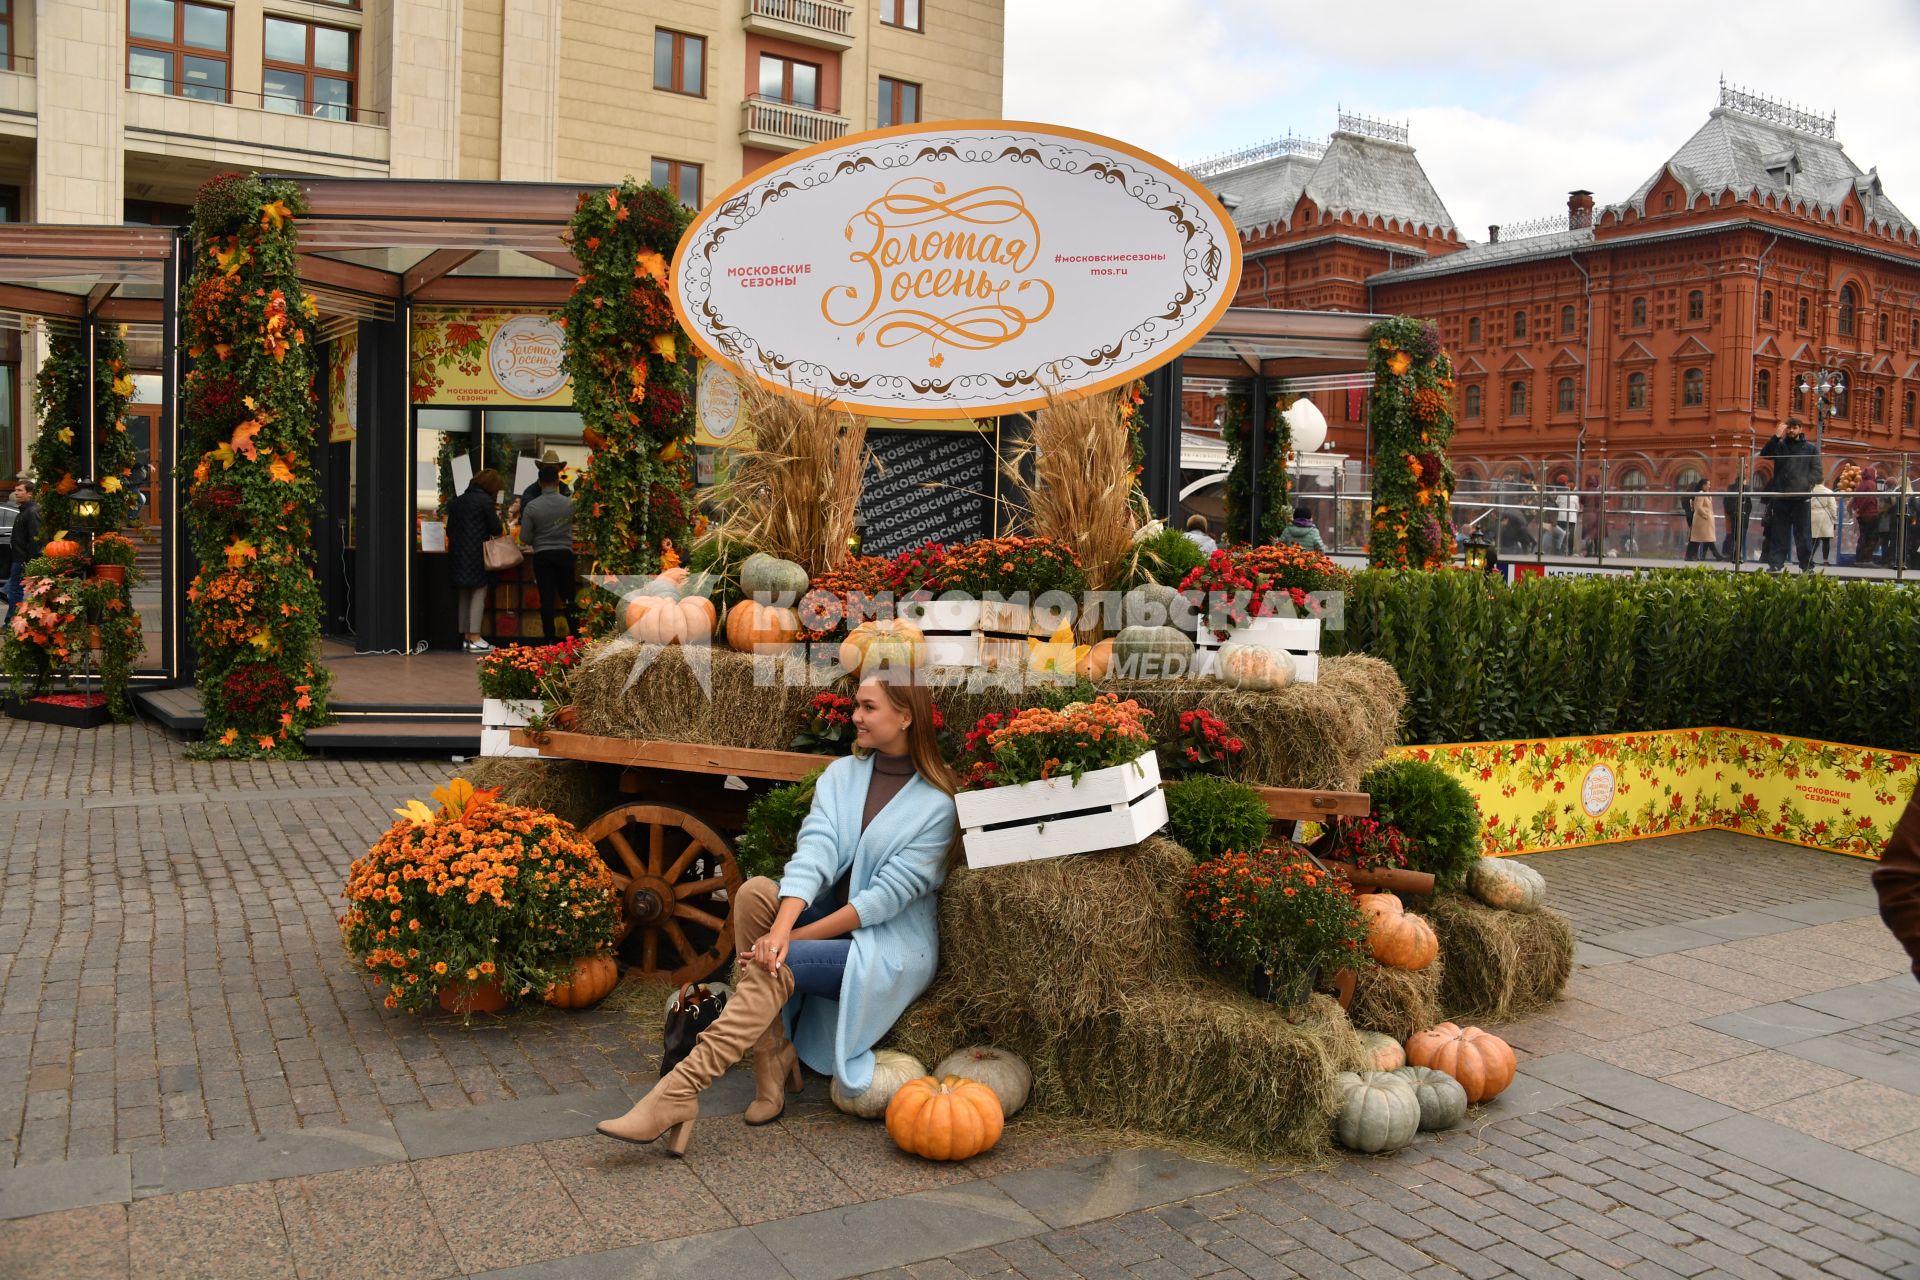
(1511, 104)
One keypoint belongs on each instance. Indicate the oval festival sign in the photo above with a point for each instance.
(959, 269)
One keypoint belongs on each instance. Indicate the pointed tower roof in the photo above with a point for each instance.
(1367, 168)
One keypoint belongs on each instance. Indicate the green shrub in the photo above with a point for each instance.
(1482, 661)
(1166, 557)
(1210, 816)
(773, 828)
(1436, 814)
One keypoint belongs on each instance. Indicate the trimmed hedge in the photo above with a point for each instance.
(1482, 661)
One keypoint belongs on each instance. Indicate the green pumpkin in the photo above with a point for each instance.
(765, 575)
(1379, 1111)
(1152, 653)
(1506, 883)
(1443, 1100)
(665, 588)
(1152, 605)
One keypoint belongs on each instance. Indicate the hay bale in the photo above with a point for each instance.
(1499, 965)
(706, 694)
(1398, 1002)
(569, 789)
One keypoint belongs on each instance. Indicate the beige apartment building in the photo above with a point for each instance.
(117, 110)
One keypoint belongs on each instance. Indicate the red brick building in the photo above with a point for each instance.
(1660, 337)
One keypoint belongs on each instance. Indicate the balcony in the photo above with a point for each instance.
(773, 125)
(823, 23)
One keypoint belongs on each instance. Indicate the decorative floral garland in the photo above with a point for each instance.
(1411, 409)
(254, 607)
(1276, 482)
(632, 384)
(59, 400)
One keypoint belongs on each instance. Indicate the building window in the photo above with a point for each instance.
(1913, 334)
(1519, 324)
(308, 70)
(1564, 396)
(1473, 329)
(679, 177)
(1763, 389)
(1766, 305)
(790, 81)
(1566, 321)
(1843, 401)
(178, 48)
(6, 34)
(1848, 301)
(1639, 313)
(1906, 409)
(899, 102)
(1798, 393)
(1636, 391)
(1879, 404)
(1473, 401)
(1517, 400)
(1883, 326)
(1693, 388)
(679, 62)
(901, 13)
(1696, 305)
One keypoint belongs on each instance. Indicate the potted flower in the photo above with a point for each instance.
(1044, 783)
(113, 559)
(476, 903)
(1276, 919)
(1264, 597)
(517, 685)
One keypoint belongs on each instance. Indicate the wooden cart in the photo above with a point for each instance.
(672, 858)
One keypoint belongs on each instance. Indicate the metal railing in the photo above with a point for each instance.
(1605, 524)
(821, 15)
(773, 118)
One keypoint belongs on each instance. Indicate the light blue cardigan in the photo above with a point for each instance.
(898, 863)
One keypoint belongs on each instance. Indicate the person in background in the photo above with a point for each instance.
(25, 542)
(1865, 506)
(1737, 505)
(1196, 532)
(546, 529)
(1825, 516)
(1303, 532)
(472, 518)
(1700, 532)
(547, 459)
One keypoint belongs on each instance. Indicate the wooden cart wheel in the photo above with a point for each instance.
(677, 880)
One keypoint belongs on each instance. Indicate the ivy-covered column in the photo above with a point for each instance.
(1412, 414)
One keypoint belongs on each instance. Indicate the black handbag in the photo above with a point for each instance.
(693, 1009)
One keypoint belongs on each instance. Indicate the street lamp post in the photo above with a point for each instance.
(1827, 386)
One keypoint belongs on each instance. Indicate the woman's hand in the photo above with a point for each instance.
(771, 951)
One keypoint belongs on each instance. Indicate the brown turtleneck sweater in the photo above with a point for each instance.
(890, 773)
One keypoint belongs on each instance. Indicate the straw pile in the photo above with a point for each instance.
(1499, 965)
(793, 488)
(1085, 967)
(1306, 735)
(1074, 475)
(1398, 1002)
(569, 789)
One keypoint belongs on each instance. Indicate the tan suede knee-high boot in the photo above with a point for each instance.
(776, 1066)
(672, 1105)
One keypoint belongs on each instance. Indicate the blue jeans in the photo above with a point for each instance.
(818, 964)
(15, 589)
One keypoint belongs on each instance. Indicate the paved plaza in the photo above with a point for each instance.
(194, 1082)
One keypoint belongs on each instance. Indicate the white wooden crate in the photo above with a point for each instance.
(508, 713)
(1111, 808)
(1300, 637)
(499, 742)
(977, 633)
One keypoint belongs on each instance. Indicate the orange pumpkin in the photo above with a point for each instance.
(1396, 939)
(950, 1119)
(661, 620)
(883, 641)
(592, 978)
(751, 624)
(1094, 663)
(1482, 1063)
(60, 548)
(676, 575)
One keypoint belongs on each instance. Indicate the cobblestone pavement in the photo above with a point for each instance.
(193, 1082)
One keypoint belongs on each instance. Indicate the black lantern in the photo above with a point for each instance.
(1477, 555)
(85, 503)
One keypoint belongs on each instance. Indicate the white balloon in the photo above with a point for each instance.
(1308, 424)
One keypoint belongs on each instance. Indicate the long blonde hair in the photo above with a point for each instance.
(923, 741)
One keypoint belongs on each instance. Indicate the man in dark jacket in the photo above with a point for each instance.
(1796, 469)
(25, 542)
(1897, 881)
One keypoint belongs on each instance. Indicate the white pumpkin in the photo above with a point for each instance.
(1507, 883)
(1379, 1111)
(1006, 1074)
(1443, 1100)
(1254, 666)
(1384, 1053)
(891, 1069)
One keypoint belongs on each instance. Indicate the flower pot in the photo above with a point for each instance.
(111, 573)
(1260, 985)
(485, 996)
(1108, 809)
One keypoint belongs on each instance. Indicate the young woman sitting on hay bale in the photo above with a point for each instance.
(849, 936)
